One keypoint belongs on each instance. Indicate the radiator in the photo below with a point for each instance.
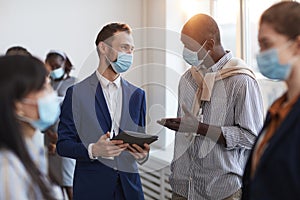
(155, 183)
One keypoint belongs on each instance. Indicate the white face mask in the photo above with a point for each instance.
(191, 57)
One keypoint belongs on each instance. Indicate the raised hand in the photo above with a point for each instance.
(188, 123)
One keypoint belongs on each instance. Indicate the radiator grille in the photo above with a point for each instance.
(156, 183)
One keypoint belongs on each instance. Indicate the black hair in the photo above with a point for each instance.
(20, 75)
(17, 50)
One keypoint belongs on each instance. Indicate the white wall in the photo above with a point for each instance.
(69, 25)
(72, 26)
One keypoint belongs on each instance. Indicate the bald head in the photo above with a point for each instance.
(202, 31)
(200, 28)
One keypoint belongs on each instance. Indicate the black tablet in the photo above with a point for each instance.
(131, 137)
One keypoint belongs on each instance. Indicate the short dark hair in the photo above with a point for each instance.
(109, 30)
(17, 50)
(284, 17)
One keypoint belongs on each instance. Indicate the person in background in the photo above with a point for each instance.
(27, 104)
(219, 116)
(17, 50)
(273, 168)
(61, 169)
(96, 109)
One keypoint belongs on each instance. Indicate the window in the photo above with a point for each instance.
(225, 13)
(253, 11)
(238, 22)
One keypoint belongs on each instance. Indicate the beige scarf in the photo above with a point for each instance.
(205, 84)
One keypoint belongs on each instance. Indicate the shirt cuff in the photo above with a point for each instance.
(90, 152)
(143, 160)
(231, 136)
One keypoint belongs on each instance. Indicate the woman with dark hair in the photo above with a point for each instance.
(61, 169)
(27, 103)
(273, 168)
(58, 65)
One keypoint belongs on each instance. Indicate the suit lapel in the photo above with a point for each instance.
(125, 115)
(281, 131)
(101, 106)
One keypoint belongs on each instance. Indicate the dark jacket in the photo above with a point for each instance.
(84, 119)
(277, 175)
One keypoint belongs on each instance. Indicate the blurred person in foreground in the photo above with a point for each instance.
(27, 105)
(273, 169)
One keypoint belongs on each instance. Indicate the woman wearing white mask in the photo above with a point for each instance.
(272, 171)
(61, 169)
(27, 103)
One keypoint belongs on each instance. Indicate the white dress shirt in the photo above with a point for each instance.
(113, 96)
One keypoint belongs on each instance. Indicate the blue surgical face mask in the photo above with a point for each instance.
(269, 66)
(123, 62)
(48, 109)
(191, 57)
(57, 73)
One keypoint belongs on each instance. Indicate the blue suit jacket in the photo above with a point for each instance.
(278, 173)
(84, 119)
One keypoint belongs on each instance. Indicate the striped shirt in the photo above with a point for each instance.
(202, 169)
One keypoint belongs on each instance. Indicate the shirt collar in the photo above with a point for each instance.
(105, 82)
(218, 65)
(278, 109)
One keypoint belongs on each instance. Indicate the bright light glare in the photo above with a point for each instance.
(226, 11)
(190, 7)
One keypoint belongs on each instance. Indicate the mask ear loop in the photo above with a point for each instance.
(202, 46)
(204, 57)
(107, 60)
(110, 62)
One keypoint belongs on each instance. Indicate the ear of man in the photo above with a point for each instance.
(102, 47)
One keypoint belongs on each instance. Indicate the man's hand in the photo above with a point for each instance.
(137, 152)
(188, 123)
(108, 148)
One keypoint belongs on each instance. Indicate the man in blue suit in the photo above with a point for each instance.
(95, 110)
